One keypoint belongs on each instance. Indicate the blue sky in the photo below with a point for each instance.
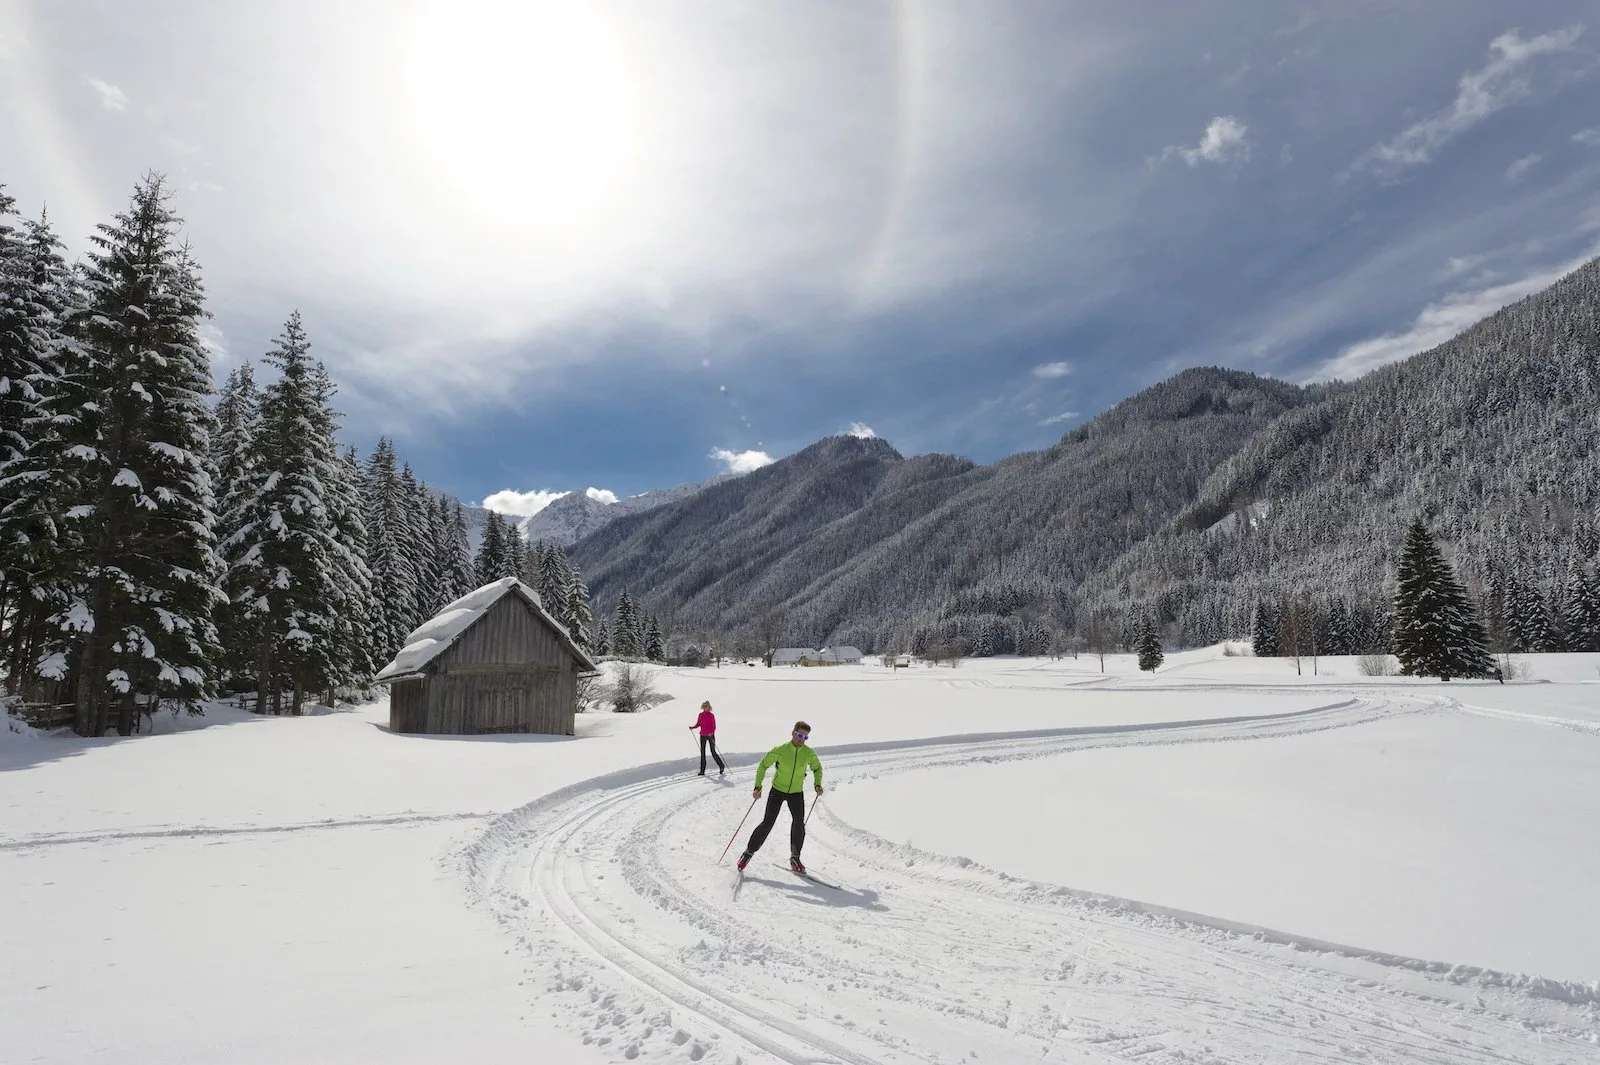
(556, 246)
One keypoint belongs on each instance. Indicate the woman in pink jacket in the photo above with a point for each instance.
(707, 724)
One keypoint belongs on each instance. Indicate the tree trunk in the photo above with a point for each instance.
(299, 697)
(125, 712)
(89, 719)
(263, 676)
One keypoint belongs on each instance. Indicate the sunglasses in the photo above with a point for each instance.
(802, 735)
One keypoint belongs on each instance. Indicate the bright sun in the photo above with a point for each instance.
(525, 108)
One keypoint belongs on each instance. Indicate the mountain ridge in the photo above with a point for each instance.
(1493, 435)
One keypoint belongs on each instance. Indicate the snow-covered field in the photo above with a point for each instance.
(1224, 862)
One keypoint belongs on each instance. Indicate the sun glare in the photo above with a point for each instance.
(523, 109)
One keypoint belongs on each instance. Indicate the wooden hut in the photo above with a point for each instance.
(492, 661)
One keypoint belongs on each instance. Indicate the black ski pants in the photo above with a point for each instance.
(710, 741)
(796, 801)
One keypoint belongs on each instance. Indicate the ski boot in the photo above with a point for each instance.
(744, 860)
(795, 864)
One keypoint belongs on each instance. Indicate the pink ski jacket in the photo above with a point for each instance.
(707, 723)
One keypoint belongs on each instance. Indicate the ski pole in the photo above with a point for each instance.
(811, 811)
(735, 835)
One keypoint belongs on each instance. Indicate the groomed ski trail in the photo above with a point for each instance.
(611, 890)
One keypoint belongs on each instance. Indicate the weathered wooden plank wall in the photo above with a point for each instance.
(508, 673)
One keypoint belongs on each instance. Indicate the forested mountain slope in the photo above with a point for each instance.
(854, 543)
(1494, 436)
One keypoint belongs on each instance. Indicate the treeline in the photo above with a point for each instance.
(159, 547)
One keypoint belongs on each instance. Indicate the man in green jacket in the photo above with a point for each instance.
(790, 761)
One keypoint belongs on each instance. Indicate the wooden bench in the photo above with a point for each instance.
(45, 716)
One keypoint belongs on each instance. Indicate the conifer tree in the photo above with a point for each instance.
(1150, 653)
(1436, 630)
(499, 551)
(1581, 618)
(1340, 634)
(625, 633)
(462, 572)
(394, 580)
(516, 553)
(125, 464)
(353, 625)
(233, 455)
(35, 291)
(551, 576)
(295, 567)
(654, 649)
(1264, 633)
(579, 617)
(602, 639)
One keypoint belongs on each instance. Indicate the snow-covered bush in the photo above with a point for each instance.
(632, 690)
(1378, 666)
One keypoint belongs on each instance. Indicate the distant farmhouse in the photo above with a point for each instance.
(815, 656)
(492, 661)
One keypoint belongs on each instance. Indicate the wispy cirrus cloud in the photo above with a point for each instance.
(1064, 416)
(1052, 369)
(111, 97)
(1479, 94)
(1437, 323)
(1589, 138)
(1519, 169)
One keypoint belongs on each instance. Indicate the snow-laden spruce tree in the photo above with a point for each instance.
(1581, 613)
(461, 576)
(654, 644)
(394, 578)
(353, 588)
(551, 576)
(35, 291)
(1264, 632)
(602, 639)
(580, 614)
(294, 572)
(130, 424)
(1150, 653)
(625, 636)
(421, 547)
(1436, 631)
(233, 457)
(494, 559)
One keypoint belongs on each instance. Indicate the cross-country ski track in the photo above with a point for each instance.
(638, 939)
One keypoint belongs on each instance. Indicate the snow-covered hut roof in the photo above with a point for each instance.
(435, 636)
(841, 654)
(788, 656)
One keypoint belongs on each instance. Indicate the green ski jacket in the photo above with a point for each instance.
(791, 762)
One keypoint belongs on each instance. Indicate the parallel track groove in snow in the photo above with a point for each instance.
(634, 934)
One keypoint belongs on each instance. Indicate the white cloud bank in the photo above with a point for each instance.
(1052, 369)
(1479, 94)
(601, 495)
(741, 461)
(1437, 323)
(522, 504)
(111, 97)
(860, 430)
(1223, 142)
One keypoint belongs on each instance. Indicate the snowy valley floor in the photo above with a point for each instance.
(1328, 868)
